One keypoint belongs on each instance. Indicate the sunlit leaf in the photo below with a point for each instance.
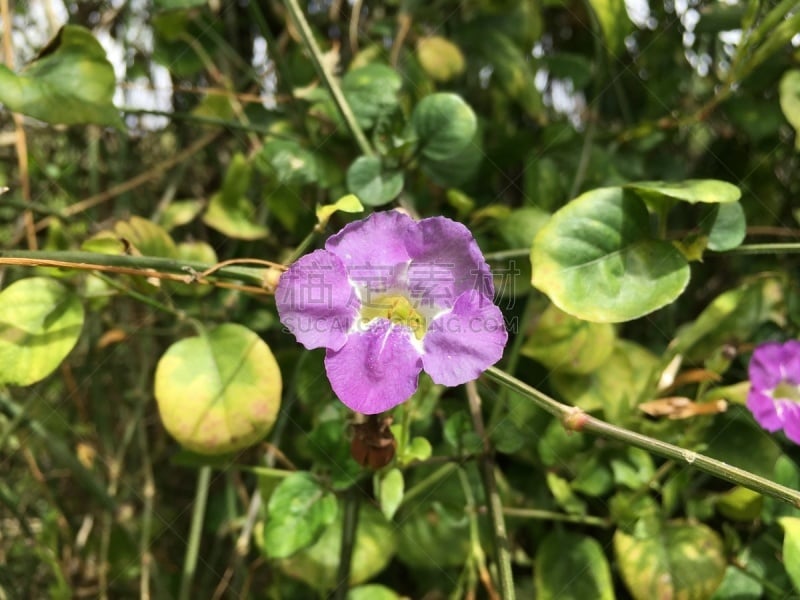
(565, 343)
(230, 211)
(570, 566)
(440, 58)
(318, 565)
(679, 561)
(298, 513)
(180, 213)
(347, 204)
(596, 259)
(791, 548)
(40, 323)
(374, 187)
(70, 82)
(372, 591)
(729, 227)
(220, 391)
(288, 162)
(709, 191)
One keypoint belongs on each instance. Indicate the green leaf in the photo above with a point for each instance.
(366, 179)
(572, 566)
(71, 81)
(565, 343)
(734, 438)
(347, 204)
(728, 228)
(791, 548)
(444, 124)
(40, 323)
(596, 260)
(230, 211)
(220, 391)
(440, 58)
(419, 448)
(390, 492)
(709, 191)
(679, 560)
(298, 512)
(193, 252)
(288, 162)
(372, 591)
(374, 546)
(372, 91)
(740, 504)
(511, 69)
(564, 496)
(790, 101)
(614, 23)
(615, 388)
(180, 213)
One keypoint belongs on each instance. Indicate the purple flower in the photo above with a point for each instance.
(774, 397)
(389, 297)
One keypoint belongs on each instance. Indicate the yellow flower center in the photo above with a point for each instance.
(786, 390)
(398, 310)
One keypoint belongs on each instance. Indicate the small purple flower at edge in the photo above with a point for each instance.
(774, 397)
(388, 297)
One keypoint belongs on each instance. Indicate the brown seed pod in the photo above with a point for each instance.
(373, 445)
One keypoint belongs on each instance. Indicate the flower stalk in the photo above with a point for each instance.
(574, 418)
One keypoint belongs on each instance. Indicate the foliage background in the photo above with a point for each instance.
(228, 141)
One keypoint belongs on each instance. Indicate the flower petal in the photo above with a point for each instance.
(382, 239)
(375, 370)
(446, 262)
(790, 362)
(764, 411)
(316, 301)
(765, 366)
(791, 421)
(463, 343)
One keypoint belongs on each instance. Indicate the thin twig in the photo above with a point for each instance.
(195, 532)
(330, 81)
(577, 420)
(495, 504)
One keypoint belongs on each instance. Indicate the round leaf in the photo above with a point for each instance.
(570, 566)
(373, 188)
(218, 392)
(596, 260)
(444, 125)
(40, 322)
(372, 91)
(565, 343)
(678, 561)
(298, 512)
(440, 58)
(729, 227)
(318, 564)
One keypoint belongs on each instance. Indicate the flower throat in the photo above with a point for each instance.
(398, 310)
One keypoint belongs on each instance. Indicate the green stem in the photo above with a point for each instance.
(193, 546)
(575, 419)
(777, 248)
(352, 503)
(338, 96)
(86, 260)
(504, 254)
(495, 504)
(429, 481)
(547, 515)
